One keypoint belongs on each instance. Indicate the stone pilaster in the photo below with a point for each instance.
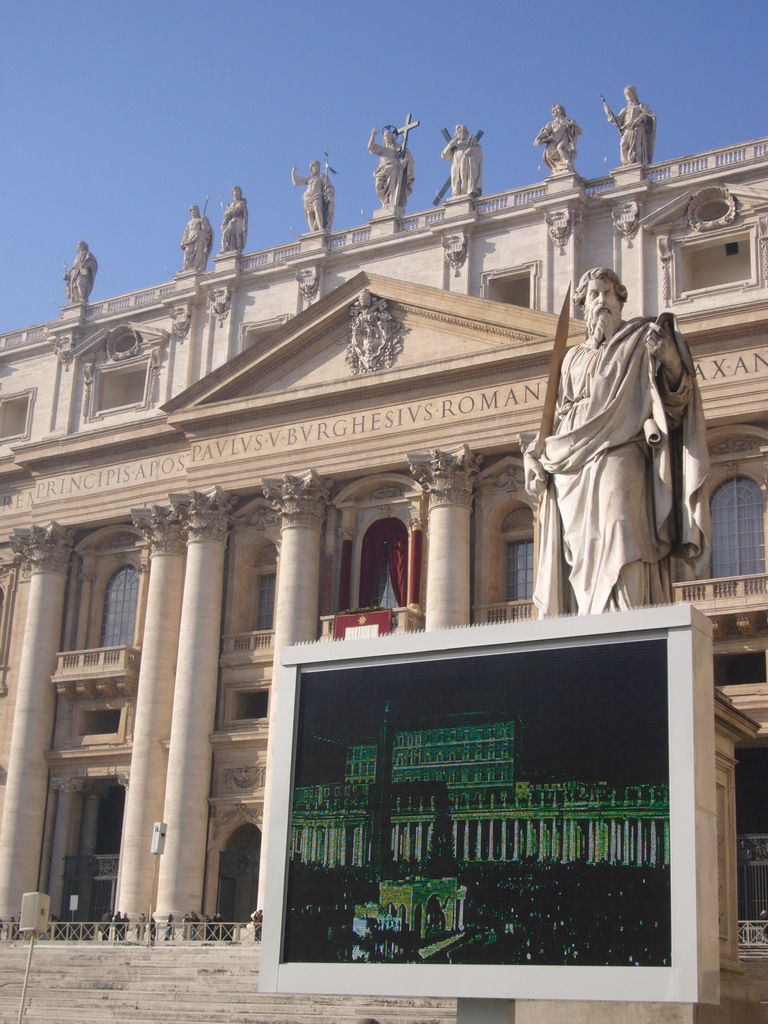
(65, 837)
(165, 530)
(206, 519)
(300, 502)
(44, 553)
(448, 478)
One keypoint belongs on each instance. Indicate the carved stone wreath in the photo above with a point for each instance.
(374, 339)
(710, 208)
(123, 343)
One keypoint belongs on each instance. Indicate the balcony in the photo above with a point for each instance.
(248, 648)
(404, 620)
(102, 672)
(505, 611)
(737, 606)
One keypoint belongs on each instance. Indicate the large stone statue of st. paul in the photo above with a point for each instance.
(620, 476)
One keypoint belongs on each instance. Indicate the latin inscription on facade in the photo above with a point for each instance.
(457, 408)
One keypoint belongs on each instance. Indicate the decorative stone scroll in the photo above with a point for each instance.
(309, 282)
(219, 300)
(181, 320)
(763, 240)
(245, 777)
(43, 548)
(455, 251)
(242, 812)
(64, 348)
(163, 526)
(69, 785)
(205, 514)
(374, 340)
(626, 220)
(665, 255)
(299, 500)
(561, 224)
(448, 477)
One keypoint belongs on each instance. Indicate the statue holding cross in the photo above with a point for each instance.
(394, 175)
(466, 157)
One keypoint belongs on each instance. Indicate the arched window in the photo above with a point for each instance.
(519, 570)
(265, 601)
(120, 608)
(517, 531)
(383, 564)
(738, 544)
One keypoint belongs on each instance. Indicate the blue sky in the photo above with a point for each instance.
(117, 115)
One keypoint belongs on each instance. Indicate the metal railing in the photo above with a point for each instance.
(137, 933)
(753, 939)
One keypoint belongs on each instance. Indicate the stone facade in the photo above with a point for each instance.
(190, 476)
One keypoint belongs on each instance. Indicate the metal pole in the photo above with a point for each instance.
(152, 900)
(26, 977)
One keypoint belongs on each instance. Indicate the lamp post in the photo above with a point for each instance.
(159, 832)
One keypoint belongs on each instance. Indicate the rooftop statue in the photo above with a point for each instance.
(197, 241)
(234, 227)
(81, 275)
(637, 125)
(466, 156)
(394, 175)
(319, 198)
(621, 468)
(559, 136)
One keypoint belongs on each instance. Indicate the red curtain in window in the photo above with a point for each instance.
(393, 533)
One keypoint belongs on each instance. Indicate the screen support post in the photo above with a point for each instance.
(485, 1011)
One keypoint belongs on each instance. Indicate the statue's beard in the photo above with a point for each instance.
(602, 324)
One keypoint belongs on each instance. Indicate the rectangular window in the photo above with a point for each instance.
(252, 704)
(265, 616)
(514, 289)
(716, 263)
(14, 413)
(105, 721)
(119, 388)
(520, 570)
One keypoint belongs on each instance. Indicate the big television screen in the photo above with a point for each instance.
(503, 805)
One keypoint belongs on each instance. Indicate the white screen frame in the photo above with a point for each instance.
(694, 973)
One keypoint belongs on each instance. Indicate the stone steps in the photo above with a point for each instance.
(90, 984)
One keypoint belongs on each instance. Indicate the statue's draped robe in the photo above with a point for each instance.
(627, 461)
(197, 243)
(81, 277)
(466, 167)
(394, 175)
(637, 143)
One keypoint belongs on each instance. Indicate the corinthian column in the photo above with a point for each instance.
(164, 528)
(448, 477)
(301, 501)
(188, 783)
(45, 555)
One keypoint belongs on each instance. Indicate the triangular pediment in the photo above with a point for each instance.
(406, 333)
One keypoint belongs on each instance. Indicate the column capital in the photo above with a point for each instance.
(69, 785)
(300, 500)
(448, 477)
(205, 514)
(43, 548)
(163, 526)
